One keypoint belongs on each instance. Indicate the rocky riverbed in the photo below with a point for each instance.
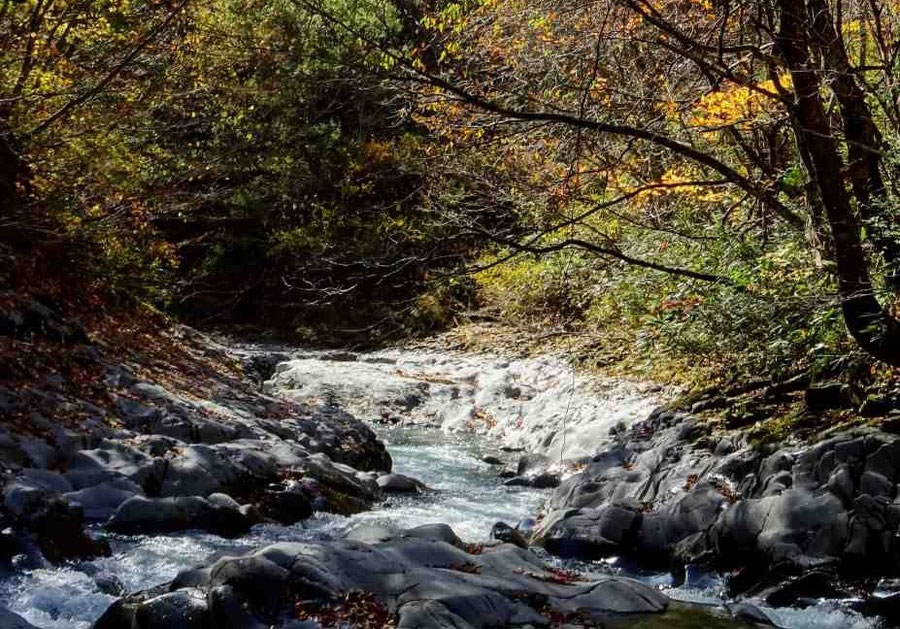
(269, 498)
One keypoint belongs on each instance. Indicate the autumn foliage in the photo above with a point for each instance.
(701, 181)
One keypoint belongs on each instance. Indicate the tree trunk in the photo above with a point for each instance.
(10, 170)
(863, 139)
(869, 323)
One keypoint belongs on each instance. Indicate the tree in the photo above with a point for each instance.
(233, 160)
(58, 59)
(805, 26)
(10, 173)
(719, 99)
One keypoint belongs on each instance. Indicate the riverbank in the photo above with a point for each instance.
(666, 487)
(256, 446)
(108, 453)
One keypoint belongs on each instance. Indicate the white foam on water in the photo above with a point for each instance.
(522, 403)
(534, 403)
(824, 615)
(468, 497)
(58, 598)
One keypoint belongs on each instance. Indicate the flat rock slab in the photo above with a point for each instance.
(418, 580)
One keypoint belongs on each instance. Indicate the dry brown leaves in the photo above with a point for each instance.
(360, 610)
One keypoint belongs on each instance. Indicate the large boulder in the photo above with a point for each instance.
(588, 533)
(112, 460)
(407, 581)
(286, 506)
(139, 515)
(376, 534)
(99, 502)
(663, 495)
(792, 526)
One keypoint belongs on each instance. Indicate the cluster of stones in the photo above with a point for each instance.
(788, 523)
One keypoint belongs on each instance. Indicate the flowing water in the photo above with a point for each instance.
(468, 496)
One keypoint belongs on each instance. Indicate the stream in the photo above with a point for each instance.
(467, 493)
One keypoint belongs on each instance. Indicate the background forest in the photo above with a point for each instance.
(689, 186)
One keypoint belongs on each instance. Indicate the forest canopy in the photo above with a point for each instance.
(708, 183)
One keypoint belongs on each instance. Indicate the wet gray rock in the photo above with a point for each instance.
(99, 502)
(435, 533)
(139, 515)
(46, 479)
(373, 533)
(668, 500)
(109, 583)
(588, 533)
(425, 582)
(286, 506)
(9, 620)
(543, 480)
(185, 609)
(376, 534)
(840, 483)
(749, 613)
(400, 484)
(11, 454)
(43, 525)
(812, 586)
(791, 526)
(113, 460)
(38, 452)
(503, 532)
(532, 464)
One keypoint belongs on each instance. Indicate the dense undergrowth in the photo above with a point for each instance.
(325, 172)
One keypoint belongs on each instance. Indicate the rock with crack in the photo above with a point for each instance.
(417, 582)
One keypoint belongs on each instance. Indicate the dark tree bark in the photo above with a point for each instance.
(869, 323)
(864, 142)
(10, 172)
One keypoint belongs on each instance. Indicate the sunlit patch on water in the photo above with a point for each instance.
(59, 598)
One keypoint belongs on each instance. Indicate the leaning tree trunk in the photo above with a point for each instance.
(869, 323)
(863, 138)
